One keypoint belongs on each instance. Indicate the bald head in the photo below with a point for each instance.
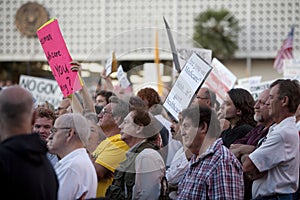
(16, 106)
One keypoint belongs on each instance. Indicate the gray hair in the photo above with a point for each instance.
(79, 123)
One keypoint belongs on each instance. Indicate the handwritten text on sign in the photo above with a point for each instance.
(190, 79)
(58, 58)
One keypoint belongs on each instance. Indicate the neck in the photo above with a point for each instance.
(10, 131)
(133, 141)
(69, 148)
(283, 115)
(205, 145)
(111, 131)
(233, 122)
(267, 124)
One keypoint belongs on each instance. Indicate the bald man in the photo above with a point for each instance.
(25, 171)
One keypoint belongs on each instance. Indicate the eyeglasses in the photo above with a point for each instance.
(104, 110)
(54, 130)
(198, 97)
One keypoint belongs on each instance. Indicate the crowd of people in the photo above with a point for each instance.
(107, 146)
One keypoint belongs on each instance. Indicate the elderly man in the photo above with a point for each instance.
(25, 171)
(252, 140)
(274, 166)
(76, 173)
(139, 176)
(111, 151)
(213, 172)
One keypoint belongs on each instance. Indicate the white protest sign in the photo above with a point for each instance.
(246, 83)
(185, 53)
(42, 89)
(255, 90)
(220, 80)
(111, 64)
(291, 69)
(124, 82)
(190, 79)
(150, 74)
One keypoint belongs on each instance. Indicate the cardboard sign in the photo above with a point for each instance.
(111, 64)
(189, 81)
(124, 82)
(42, 89)
(58, 57)
(220, 80)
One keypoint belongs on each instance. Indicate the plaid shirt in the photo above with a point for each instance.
(216, 174)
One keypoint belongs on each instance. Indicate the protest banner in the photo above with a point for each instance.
(124, 82)
(185, 53)
(246, 83)
(150, 74)
(42, 89)
(220, 80)
(187, 84)
(291, 69)
(255, 90)
(58, 57)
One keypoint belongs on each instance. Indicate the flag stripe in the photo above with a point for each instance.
(285, 52)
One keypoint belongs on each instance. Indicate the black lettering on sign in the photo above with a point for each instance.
(64, 87)
(61, 69)
(53, 54)
(69, 81)
(47, 88)
(46, 38)
(29, 84)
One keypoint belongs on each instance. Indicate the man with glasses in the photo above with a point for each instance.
(76, 173)
(25, 171)
(64, 107)
(274, 166)
(111, 151)
(205, 96)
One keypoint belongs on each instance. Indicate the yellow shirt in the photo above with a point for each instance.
(109, 153)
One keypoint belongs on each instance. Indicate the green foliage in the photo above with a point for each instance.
(218, 31)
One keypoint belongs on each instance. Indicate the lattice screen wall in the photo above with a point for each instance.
(93, 28)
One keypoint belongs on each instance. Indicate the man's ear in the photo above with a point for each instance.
(285, 101)
(204, 127)
(70, 134)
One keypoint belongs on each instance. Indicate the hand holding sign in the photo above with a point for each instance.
(58, 57)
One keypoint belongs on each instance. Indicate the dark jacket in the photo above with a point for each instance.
(25, 171)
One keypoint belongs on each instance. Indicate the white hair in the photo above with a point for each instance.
(79, 123)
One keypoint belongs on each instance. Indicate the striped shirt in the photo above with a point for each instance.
(216, 174)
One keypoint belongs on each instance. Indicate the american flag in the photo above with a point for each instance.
(285, 52)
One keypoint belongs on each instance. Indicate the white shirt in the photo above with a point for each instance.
(150, 168)
(279, 156)
(76, 175)
(178, 167)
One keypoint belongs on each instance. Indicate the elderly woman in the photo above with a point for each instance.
(139, 176)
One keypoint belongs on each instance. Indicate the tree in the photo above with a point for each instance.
(218, 31)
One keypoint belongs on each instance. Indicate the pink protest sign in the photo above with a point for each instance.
(58, 57)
